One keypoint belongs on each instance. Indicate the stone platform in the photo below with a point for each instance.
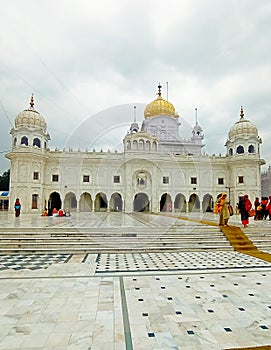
(209, 298)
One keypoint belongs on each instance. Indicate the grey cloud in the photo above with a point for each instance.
(79, 60)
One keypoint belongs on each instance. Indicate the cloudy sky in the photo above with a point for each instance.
(89, 62)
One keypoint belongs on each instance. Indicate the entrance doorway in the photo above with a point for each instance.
(165, 203)
(141, 202)
(54, 202)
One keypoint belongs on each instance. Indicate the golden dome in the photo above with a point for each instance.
(160, 107)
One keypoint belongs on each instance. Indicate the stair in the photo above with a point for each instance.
(260, 238)
(178, 237)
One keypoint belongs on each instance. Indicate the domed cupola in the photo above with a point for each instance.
(160, 107)
(30, 129)
(243, 138)
(243, 127)
(30, 118)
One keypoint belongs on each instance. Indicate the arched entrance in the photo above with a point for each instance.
(165, 202)
(116, 202)
(141, 202)
(180, 203)
(194, 203)
(70, 202)
(54, 202)
(207, 203)
(100, 202)
(85, 203)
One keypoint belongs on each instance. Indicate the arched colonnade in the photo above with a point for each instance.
(141, 202)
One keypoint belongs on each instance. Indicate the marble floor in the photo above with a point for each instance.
(167, 300)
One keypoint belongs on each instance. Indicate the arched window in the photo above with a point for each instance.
(141, 144)
(34, 201)
(128, 145)
(251, 149)
(230, 151)
(24, 141)
(240, 149)
(15, 141)
(141, 180)
(36, 142)
(135, 145)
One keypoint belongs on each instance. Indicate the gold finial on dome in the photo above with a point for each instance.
(160, 107)
(242, 113)
(32, 101)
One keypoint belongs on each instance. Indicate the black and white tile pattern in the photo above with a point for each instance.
(138, 262)
(31, 261)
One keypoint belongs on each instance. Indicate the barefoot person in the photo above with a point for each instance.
(17, 207)
(221, 208)
(244, 206)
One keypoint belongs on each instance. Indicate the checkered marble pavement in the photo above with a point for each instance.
(138, 262)
(156, 301)
(181, 261)
(32, 262)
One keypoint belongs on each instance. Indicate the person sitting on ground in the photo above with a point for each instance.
(61, 212)
(44, 212)
(55, 212)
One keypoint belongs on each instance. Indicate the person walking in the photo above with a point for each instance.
(17, 207)
(264, 204)
(257, 208)
(244, 207)
(221, 208)
(269, 208)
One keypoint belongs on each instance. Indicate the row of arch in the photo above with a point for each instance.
(141, 145)
(24, 141)
(141, 202)
(240, 150)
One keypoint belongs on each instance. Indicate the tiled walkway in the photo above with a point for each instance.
(180, 300)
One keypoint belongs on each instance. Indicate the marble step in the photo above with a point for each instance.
(96, 250)
(5, 232)
(101, 238)
(155, 242)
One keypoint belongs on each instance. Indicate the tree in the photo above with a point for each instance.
(4, 181)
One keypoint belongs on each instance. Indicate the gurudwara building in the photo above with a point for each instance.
(156, 171)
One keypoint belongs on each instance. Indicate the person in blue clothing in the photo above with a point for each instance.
(17, 207)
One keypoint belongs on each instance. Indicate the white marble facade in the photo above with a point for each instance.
(156, 171)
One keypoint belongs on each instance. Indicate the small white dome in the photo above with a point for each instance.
(31, 118)
(243, 127)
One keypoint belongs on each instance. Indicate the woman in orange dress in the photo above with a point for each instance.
(221, 208)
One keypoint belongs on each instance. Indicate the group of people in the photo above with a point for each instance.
(225, 210)
(55, 212)
(261, 210)
(45, 212)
